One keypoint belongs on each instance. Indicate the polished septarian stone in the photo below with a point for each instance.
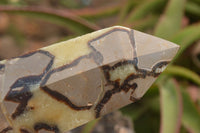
(65, 85)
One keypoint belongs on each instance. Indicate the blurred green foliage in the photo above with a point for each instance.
(168, 107)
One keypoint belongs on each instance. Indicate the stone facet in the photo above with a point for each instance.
(65, 85)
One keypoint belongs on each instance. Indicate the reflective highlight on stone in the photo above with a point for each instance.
(67, 84)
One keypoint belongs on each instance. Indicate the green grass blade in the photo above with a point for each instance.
(170, 22)
(64, 18)
(134, 111)
(171, 107)
(98, 13)
(193, 9)
(186, 37)
(90, 126)
(191, 116)
(143, 24)
(144, 9)
(126, 9)
(183, 72)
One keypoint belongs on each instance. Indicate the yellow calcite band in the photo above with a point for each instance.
(67, 84)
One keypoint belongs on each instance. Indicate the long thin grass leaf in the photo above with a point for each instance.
(191, 116)
(126, 8)
(145, 8)
(170, 22)
(90, 126)
(183, 72)
(143, 24)
(100, 12)
(193, 9)
(186, 37)
(171, 107)
(68, 19)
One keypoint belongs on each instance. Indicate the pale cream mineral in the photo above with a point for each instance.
(65, 85)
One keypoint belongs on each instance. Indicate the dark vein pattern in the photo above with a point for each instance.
(141, 73)
(23, 95)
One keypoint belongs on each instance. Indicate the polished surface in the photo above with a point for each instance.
(65, 85)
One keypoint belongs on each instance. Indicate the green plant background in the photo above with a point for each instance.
(172, 104)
